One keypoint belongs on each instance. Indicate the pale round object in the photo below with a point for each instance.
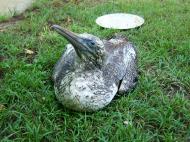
(11, 7)
(120, 21)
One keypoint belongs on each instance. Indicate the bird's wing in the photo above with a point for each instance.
(120, 61)
(130, 78)
(65, 64)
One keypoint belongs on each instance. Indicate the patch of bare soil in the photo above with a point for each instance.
(173, 87)
(95, 2)
(1, 70)
(7, 23)
(1, 73)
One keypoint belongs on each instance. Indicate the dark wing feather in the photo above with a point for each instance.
(120, 60)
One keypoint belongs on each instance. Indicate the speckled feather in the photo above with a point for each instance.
(89, 89)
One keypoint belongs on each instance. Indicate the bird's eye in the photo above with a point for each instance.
(92, 43)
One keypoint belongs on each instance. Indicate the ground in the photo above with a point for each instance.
(156, 110)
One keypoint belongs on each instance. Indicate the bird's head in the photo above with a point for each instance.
(89, 48)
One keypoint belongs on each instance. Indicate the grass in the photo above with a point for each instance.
(157, 110)
(3, 18)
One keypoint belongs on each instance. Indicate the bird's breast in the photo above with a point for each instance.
(86, 91)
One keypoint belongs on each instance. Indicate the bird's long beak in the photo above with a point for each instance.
(73, 38)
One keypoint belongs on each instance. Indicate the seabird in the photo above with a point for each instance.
(92, 71)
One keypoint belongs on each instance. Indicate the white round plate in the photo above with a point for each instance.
(120, 21)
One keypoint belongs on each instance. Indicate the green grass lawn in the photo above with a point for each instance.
(157, 110)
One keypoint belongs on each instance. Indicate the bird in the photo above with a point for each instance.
(92, 71)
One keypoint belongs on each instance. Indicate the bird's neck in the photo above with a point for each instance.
(83, 64)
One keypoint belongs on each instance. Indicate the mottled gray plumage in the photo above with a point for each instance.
(87, 80)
